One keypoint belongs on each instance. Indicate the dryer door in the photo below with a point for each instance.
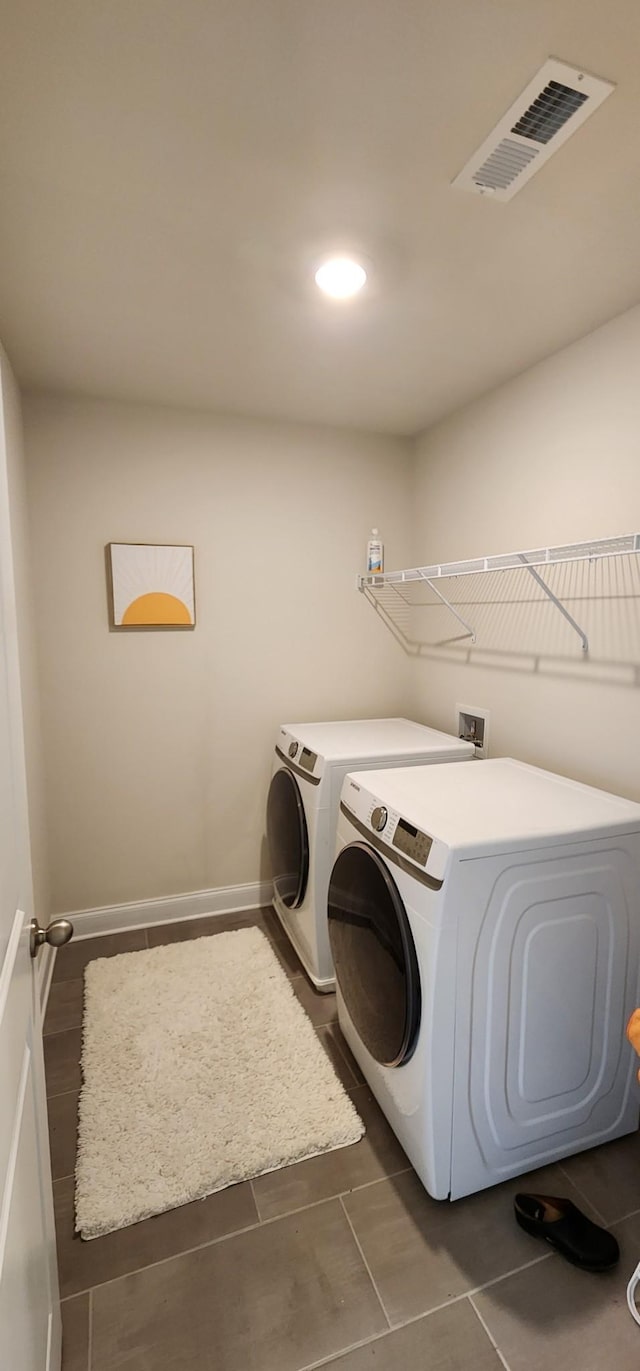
(374, 954)
(288, 839)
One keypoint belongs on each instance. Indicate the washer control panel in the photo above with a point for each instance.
(387, 829)
(412, 842)
(302, 758)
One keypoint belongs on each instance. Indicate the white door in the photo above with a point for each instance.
(30, 1337)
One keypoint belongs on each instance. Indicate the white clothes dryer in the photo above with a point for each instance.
(484, 922)
(310, 764)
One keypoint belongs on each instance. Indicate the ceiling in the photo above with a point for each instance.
(171, 172)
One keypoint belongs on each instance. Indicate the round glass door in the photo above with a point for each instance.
(374, 954)
(288, 839)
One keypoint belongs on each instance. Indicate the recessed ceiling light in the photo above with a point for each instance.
(341, 277)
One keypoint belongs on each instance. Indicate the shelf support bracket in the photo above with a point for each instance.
(554, 599)
(449, 606)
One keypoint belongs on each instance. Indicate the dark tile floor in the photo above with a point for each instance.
(341, 1261)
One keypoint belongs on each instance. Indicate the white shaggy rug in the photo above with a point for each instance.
(200, 1068)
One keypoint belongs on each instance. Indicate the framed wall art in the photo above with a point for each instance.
(151, 585)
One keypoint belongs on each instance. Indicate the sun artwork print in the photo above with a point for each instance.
(152, 586)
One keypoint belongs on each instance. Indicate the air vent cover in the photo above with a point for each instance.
(552, 107)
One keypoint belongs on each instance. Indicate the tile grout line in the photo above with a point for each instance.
(313, 1204)
(466, 1294)
(327, 1198)
(364, 1261)
(415, 1318)
(328, 1028)
(344, 1059)
(333, 1357)
(488, 1333)
(476, 1290)
(90, 1337)
(582, 1194)
(255, 1200)
(234, 1233)
(623, 1217)
(73, 1091)
(426, 1314)
(394, 1328)
(524, 1266)
(275, 1218)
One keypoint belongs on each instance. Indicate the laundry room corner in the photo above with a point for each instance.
(548, 458)
(158, 744)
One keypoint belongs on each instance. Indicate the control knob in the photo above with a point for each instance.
(293, 748)
(379, 818)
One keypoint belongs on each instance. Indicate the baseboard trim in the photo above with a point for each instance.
(117, 918)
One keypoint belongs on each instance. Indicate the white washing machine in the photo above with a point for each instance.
(485, 927)
(310, 764)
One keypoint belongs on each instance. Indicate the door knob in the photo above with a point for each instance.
(56, 934)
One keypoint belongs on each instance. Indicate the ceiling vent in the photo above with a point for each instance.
(552, 107)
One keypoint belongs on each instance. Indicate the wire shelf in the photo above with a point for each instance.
(547, 556)
(533, 560)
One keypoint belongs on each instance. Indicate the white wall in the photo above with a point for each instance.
(551, 457)
(18, 573)
(158, 745)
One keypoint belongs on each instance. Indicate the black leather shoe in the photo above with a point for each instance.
(560, 1223)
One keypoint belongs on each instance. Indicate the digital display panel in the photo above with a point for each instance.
(307, 759)
(412, 842)
(407, 828)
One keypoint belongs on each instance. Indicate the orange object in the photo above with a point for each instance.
(633, 1032)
